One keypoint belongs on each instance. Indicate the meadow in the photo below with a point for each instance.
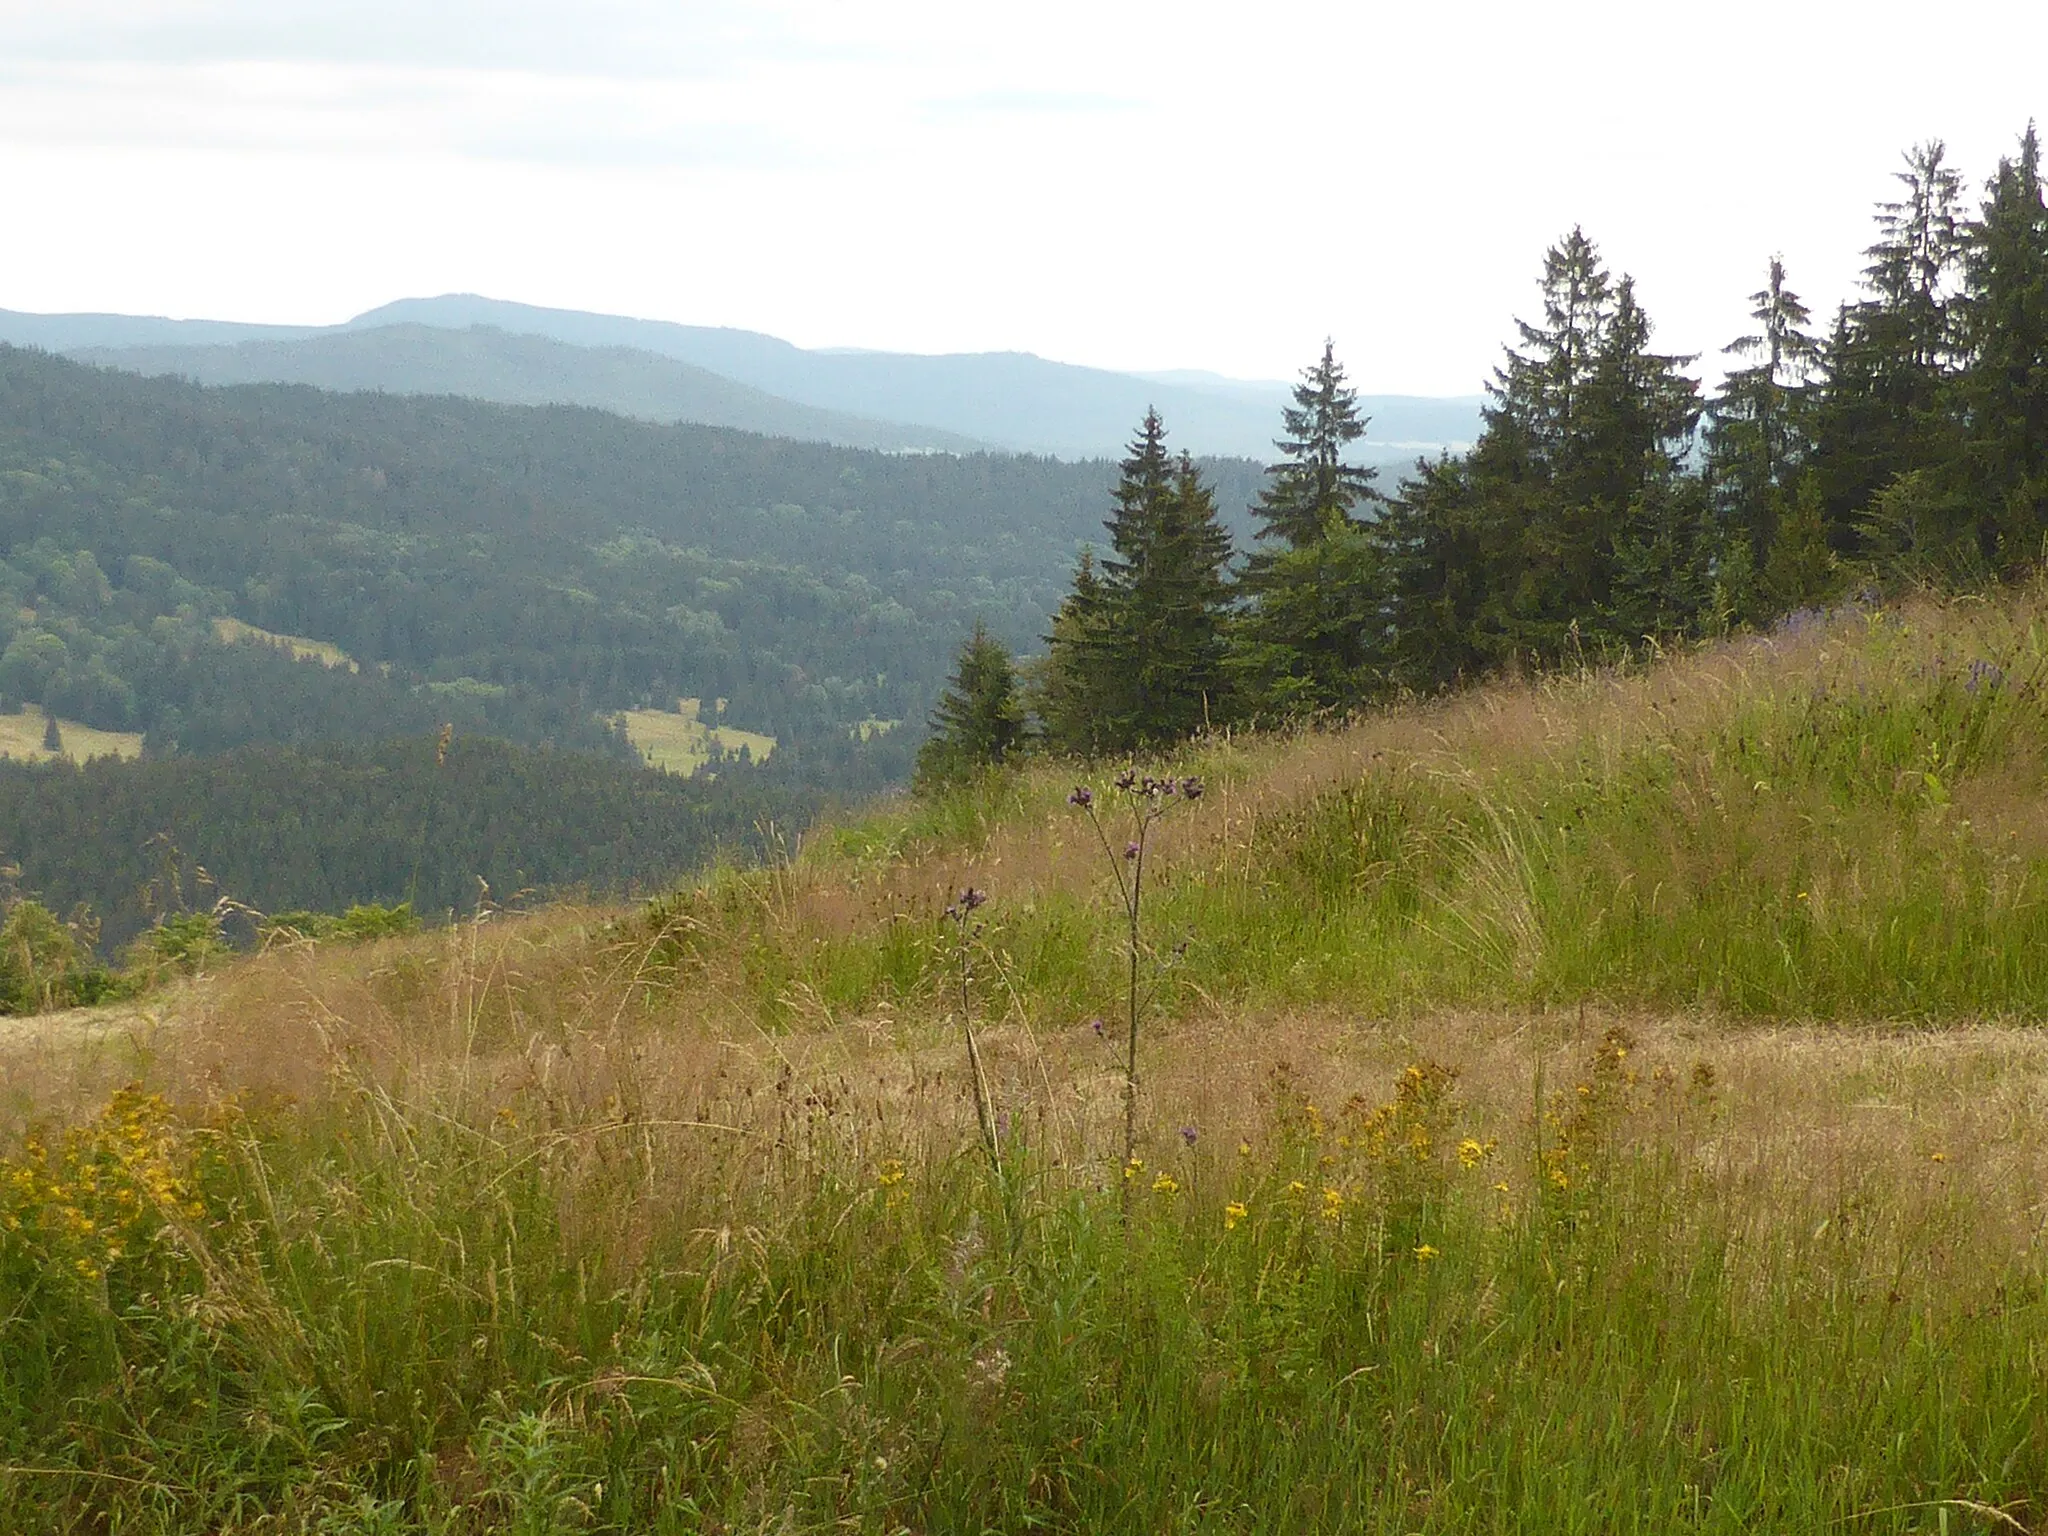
(21, 738)
(1610, 1102)
(679, 741)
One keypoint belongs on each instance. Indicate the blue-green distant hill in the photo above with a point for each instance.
(494, 350)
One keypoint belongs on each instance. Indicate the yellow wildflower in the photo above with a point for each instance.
(1233, 1213)
(890, 1174)
(1471, 1152)
(1296, 1187)
(1244, 1149)
(1333, 1204)
(1134, 1167)
(1425, 1252)
(1165, 1184)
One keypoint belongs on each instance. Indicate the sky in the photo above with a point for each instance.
(1128, 185)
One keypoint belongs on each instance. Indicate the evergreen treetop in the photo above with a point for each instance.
(1312, 490)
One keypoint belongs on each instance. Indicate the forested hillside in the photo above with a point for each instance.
(535, 565)
(277, 828)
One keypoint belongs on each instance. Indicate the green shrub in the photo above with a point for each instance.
(45, 964)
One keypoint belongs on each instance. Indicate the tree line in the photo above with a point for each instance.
(121, 846)
(1609, 503)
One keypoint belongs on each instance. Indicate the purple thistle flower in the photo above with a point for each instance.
(1082, 796)
(1191, 788)
(1096, 1025)
(1188, 1134)
(1128, 779)
(1130, 850)
(972, 898)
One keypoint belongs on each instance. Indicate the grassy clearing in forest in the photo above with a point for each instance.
(1474, 1187)
(21, 738)
(680, 742)
(232, 631)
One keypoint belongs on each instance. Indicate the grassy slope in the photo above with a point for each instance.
(1488, 1180)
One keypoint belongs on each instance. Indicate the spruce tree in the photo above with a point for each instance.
(1317, 604)
(1582, 447)
(53, 739)
(1574, 518)
(2003, 388)
(1801, 570)
(1312, 487)
(1757, 437)
(979, 720)
(1882, 409)
(1138, 653)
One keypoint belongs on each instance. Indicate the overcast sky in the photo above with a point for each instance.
(1133, 185)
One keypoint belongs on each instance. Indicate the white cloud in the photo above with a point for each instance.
(1122, 183)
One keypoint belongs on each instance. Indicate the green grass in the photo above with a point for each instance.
(679, 741)
(418, 1317)
(678, 1221)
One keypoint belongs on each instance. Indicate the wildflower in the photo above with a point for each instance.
(1244, 1149)
(1131, 850)
(1940, 1157)
(1082, 797)
(1189, 1134)
(1471, 1153)
(1165, 1184)
(1501, 1187)
(1096, 1025)
(1333, 1204)
(1134, 1167)
(1425, 1252)
(1191, 788)
(1128, 779)
(1233, 1213)
(890, 1174)
(1296, 1187)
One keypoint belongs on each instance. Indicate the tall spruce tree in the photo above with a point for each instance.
(979, 720)
(1758, 431)
(1882, 408)
(1312, 486)
(1316, 597)
(1573, 519)
(2003, 387)
(1137, 652)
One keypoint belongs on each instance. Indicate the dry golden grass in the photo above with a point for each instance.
(554, 1021)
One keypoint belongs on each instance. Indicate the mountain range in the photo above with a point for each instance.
(462, 344)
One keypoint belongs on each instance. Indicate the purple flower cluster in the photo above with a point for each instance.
(1131, 782)
(970, 898)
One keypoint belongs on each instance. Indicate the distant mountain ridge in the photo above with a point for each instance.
(485, 363)
(1011, 400)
